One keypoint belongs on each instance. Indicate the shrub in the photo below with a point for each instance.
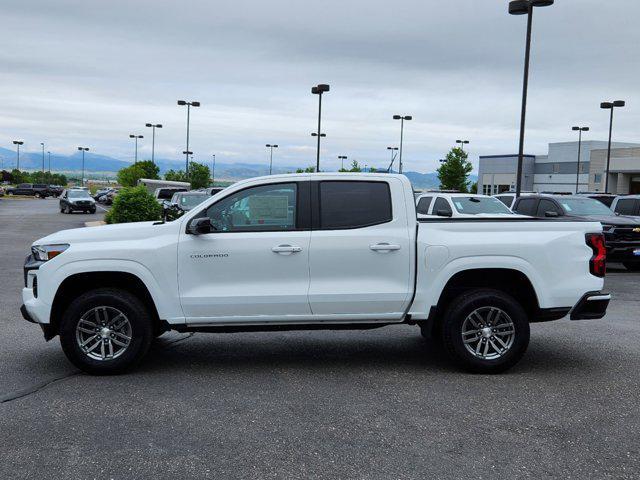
(134, 204)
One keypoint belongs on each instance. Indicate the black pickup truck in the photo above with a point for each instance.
(621, 233)
(33, 189)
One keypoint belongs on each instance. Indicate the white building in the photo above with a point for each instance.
(559, 170)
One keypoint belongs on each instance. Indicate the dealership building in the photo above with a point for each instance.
(559, 169)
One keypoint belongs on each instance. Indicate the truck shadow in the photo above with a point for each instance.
(403, 351)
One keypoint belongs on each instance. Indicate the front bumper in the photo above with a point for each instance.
(82, 208)
(591, 306)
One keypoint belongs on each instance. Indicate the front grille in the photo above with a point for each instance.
(625, 234)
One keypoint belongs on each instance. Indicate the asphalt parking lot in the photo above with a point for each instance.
(364, 404)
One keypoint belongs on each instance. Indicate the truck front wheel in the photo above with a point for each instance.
(485, 331)
(106, 331)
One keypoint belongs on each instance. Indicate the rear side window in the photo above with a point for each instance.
(625, 206)
(423, 205)
(547, 206)
(441, 204)
(354, 204)
(527, 206)
(506, 199)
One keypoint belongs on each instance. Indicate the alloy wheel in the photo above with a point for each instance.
(488, 333)
(103, 333)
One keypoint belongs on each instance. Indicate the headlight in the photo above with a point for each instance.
(47, 252)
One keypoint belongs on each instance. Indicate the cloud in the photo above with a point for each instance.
(78, 72)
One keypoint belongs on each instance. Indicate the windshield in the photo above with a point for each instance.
(78, 194)
(475, 205)
(584, 206)
(187, 202)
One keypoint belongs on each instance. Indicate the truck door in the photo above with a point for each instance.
(254, 266)
(361, 252)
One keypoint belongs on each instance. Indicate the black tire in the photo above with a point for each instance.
(137, 315)
(462, 307)
(632, 266)
(92, 211)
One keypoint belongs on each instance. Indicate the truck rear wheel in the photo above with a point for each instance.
(485, 331)
(106, 331)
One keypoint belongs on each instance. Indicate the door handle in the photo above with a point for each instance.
(286, 249)
(384, 247)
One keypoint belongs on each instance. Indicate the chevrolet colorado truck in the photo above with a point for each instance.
(313, 251)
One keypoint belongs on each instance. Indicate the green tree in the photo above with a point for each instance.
(129, 176)
(455, 170)
(306, 170)
(355, 167)
(20, 177)
(199, 175)
(474, 188)
(134, 204)
(175, 176)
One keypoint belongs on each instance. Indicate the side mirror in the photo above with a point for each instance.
(199, 226)
(551, 214)
(444, 213)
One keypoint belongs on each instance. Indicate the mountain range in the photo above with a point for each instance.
(102, 166)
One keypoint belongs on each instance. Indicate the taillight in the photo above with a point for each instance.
(598, 262)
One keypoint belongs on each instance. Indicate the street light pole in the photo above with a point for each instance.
(271, 147)
(610, 106)
(213, 171)
(393, 157)
(189, 105)
(136, 137)
(49, 157)
(153, 139)
(462, 143)
(342, 158)
(17, 143)
(42, 144)
(579, 130)
(402, 118)
(522, 7)
(83, 149)
(319, 90)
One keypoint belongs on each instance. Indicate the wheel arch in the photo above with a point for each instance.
(79, 283)
(510, 281)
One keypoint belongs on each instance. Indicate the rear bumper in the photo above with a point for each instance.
(591, 306)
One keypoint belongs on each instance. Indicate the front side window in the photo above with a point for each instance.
(527, 206)
(345, 204)
(423, 205)
(547, 206)
(257, 209)
(442, 206)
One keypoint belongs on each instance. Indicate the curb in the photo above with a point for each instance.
(94, 224)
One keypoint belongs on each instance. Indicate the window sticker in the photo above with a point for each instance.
(566, 207)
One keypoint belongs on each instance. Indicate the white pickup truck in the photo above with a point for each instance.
(313, 251)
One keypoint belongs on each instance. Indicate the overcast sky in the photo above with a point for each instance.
(92, 72)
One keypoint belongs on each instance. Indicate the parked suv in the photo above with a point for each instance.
(627, 205)
(77, 200)
(35, 190)
(621, 233)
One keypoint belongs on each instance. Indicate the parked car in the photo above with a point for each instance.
(56, 190)
(101, 192)
(185, 201)
(621, 233)
(268, 255)
(2, 191)
(628, 205)
(459, 205)
(165, 193)
(30, 189)
(75, 199)
(211, 190)
(108, 198)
